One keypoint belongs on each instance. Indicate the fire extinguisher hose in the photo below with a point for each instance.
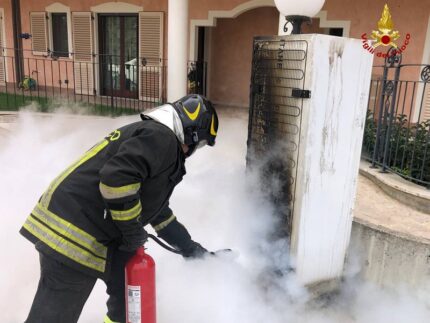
(162, 244)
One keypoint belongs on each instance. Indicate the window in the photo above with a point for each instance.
(60, 42)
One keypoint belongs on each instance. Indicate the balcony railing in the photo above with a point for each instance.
(397, 130)
(105, 83)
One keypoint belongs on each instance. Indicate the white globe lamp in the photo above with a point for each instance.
(298, 11)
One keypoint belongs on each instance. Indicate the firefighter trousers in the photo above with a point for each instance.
(63, 291)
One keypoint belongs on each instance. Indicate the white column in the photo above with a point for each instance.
(331, 133)
(177, 35)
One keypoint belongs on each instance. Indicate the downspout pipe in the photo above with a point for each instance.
(17, 40)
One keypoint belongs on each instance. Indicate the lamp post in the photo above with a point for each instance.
(296, 12)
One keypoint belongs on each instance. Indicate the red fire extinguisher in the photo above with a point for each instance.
(140, 288)
(140, 284)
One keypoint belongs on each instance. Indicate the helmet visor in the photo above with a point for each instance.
(202, 144)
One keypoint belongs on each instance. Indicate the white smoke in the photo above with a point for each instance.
(220, 205)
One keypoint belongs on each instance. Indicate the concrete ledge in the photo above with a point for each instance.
(390, 239)
(8, 117)
(393, 230)
(384, 213)
(388, 259)
(12, 116)
(406, 192)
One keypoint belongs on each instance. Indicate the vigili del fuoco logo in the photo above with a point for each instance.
(385, 36)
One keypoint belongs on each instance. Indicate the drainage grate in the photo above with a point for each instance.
(277, 94)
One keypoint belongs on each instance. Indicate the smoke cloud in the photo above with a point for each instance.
(222, 207)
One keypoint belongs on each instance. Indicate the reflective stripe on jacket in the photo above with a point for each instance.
(121, 184)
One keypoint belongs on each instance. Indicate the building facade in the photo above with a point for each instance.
(121, 49)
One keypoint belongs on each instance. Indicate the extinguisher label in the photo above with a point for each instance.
(134, 308)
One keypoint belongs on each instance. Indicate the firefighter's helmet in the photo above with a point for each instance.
(199, 120)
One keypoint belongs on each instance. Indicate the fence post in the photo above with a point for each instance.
(111, 83)
(380, 112)
(390, 119)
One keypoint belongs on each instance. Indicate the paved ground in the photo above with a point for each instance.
(375, 208)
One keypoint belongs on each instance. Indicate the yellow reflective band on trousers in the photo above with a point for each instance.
(46, 198)
(69, 230)
(164, 224)
(108, 320)
(110, 192)
(63, 246)
(126, 215)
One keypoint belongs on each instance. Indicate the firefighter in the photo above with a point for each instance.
(91, 219)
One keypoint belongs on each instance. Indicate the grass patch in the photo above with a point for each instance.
(14, 102)
(18, 101)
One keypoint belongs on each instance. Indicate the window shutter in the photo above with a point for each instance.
(426, 103)
(39, 33)
(151, 56)
(82, 30)
(2, 59)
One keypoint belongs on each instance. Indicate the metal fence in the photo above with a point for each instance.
(397, 130)
(103, 83)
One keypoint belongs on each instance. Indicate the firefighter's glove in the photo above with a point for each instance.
(194, 250)
(226, 254)
(221, 252)
(131, 242)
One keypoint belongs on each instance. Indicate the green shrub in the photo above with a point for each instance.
(409, 146)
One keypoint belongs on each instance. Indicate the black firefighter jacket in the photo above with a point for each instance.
(103, 200)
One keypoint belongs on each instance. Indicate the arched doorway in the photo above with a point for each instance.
(225, 39)
(228, 50)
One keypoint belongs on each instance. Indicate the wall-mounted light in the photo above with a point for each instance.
(298, 11)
